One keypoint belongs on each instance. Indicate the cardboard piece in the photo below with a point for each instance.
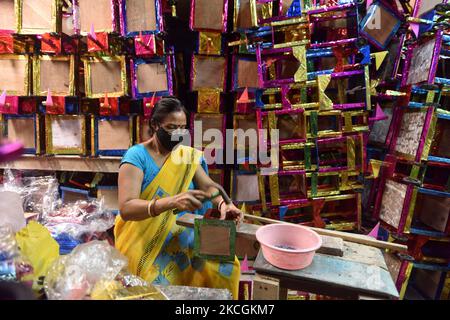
(38, 16)
(151, 78)
(113, 135)
(141, 15)
(7, 22)
(265, 288)
(215, 239)
(410, 133)
(99, 12)
(14, 74)
(209, 14)
(392, 203)
(23, 130)
(209, 72)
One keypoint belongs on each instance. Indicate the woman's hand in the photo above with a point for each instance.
(231, 210)
(190, 200)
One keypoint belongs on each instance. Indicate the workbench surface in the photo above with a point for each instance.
(361, 271)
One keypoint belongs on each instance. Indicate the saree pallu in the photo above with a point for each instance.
(160, 251)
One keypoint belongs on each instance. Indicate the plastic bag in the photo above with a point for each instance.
(79, 222)
(38, 194)
(36, 243)
(73, 277)
(13, 265)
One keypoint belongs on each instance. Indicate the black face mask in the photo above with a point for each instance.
(165, 138)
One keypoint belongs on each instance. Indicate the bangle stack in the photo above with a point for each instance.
(151, 208)
(220, 204)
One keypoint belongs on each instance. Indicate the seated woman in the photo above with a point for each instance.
(157, 178)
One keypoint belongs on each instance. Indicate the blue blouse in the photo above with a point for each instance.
(139, 157)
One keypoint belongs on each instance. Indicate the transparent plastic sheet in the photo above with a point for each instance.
(192, 293)
(130, 280)
(38, 193)
(13, 265)
(80, 220)
(74, 276)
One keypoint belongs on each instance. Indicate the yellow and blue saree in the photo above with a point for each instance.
(158, 250)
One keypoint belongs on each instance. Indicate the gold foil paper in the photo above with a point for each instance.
(274, 190)
(272, 119)
(254, 13)
(344, 182)
(91, 120)
(325, 102)
(208, 101)
(210, 43)
(348, 124)
(266, 10)
(412, 207)
(113, 290)
(351, 153)
(299, 53)
(406, 281)
(37, 121)
(368, 92)
(430, 96)
(375, 165)
(262, 192)
(430, 137)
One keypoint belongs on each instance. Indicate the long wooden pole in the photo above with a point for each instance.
(351, 237)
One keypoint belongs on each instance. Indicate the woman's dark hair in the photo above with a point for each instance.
(162, 109)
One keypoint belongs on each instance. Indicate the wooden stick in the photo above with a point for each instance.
(356, 238)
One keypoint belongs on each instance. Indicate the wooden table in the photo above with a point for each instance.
(352, 270)
(361, 273)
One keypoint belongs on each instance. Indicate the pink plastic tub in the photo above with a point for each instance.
(288, 246)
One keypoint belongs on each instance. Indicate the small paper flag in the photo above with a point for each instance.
(49, 101)
(106, 100)
(92, 32)
(379, 58)
(3, 98)
(374, 232)
(283, 211)
(244, 265)
(375, 166)
(244, 97)
(415, 28)
(152, 102)
(379, 113)
(270, 61)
